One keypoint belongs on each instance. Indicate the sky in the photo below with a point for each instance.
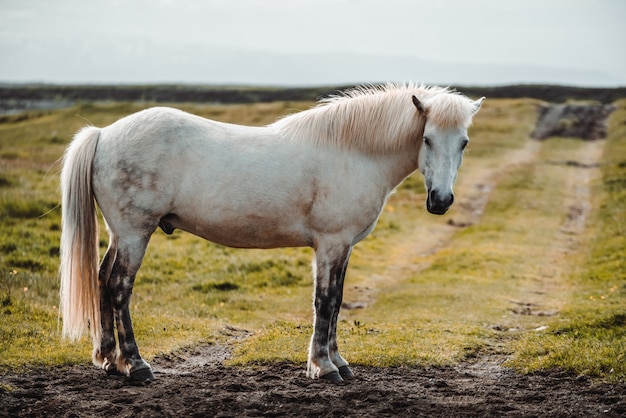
(314, 42)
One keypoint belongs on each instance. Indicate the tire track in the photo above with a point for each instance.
(547, 293)
(408, 251)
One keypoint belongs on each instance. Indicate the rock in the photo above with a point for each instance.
(588, 122)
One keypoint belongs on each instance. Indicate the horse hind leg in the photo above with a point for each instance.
(105, 353)
(128, 260)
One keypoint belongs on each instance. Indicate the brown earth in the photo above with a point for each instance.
(197, 382)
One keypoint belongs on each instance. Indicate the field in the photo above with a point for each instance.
(518, 293)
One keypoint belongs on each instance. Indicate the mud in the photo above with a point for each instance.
(197, 383)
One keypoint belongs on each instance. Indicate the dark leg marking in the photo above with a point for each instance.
(344, 371)
(121, 286)
(106, 351)
(327, 295)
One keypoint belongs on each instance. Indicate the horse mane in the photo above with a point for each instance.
(377, 119)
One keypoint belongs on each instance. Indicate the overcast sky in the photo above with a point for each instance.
(312, 42)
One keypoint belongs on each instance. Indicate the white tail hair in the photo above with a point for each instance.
(80, 292)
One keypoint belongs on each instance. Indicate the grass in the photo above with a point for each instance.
(591, 337)
(424, 307)
(172, 297)
(414, 318)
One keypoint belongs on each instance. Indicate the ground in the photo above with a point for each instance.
(197, 383)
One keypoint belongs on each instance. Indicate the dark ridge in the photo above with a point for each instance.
(24, 93)
(17, 98)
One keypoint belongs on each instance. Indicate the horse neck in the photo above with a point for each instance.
(407, 160)
(401, 165)
(373, 125)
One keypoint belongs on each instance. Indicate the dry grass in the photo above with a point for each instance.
(432, 293)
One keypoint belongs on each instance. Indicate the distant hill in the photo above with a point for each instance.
(40, 96)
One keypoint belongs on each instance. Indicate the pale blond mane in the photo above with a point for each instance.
(377, 119)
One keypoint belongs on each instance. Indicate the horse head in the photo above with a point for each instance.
(440, 157)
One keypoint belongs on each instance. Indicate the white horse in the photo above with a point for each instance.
(318, 178)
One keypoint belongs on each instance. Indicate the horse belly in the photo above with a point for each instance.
(271, 207)
(245, 209)
(244, 230)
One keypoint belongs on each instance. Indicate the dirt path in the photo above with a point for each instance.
(543, 296)
(197, 383)
(406, 257)
(283, 390)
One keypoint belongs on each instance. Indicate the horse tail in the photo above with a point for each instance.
(80, 291)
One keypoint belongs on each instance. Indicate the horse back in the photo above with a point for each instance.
(234, 185)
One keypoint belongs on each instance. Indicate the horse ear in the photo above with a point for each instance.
(418, 104)
(477, 104)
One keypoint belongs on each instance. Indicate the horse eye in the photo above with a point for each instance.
(464, 145)
(427, 141)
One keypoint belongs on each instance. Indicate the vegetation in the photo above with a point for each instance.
(591, 337)
(512, 281)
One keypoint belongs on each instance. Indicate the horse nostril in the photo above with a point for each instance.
(436, 197)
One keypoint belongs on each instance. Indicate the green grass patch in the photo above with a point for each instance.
(29, 335)
(373, 343)
(501, 125)
(469, 297)
(590, 337)
(211, 287)
(168, 312)
(25, 209)
(499, 286)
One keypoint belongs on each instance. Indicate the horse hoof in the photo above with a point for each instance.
(114, 372)
(111, 369)
(142, 376)
(346, 373)
(333, 377)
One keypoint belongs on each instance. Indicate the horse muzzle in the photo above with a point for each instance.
(438, 203)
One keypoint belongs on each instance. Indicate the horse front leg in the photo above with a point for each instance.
(129, 361)
(344, 370)
(330, 269)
